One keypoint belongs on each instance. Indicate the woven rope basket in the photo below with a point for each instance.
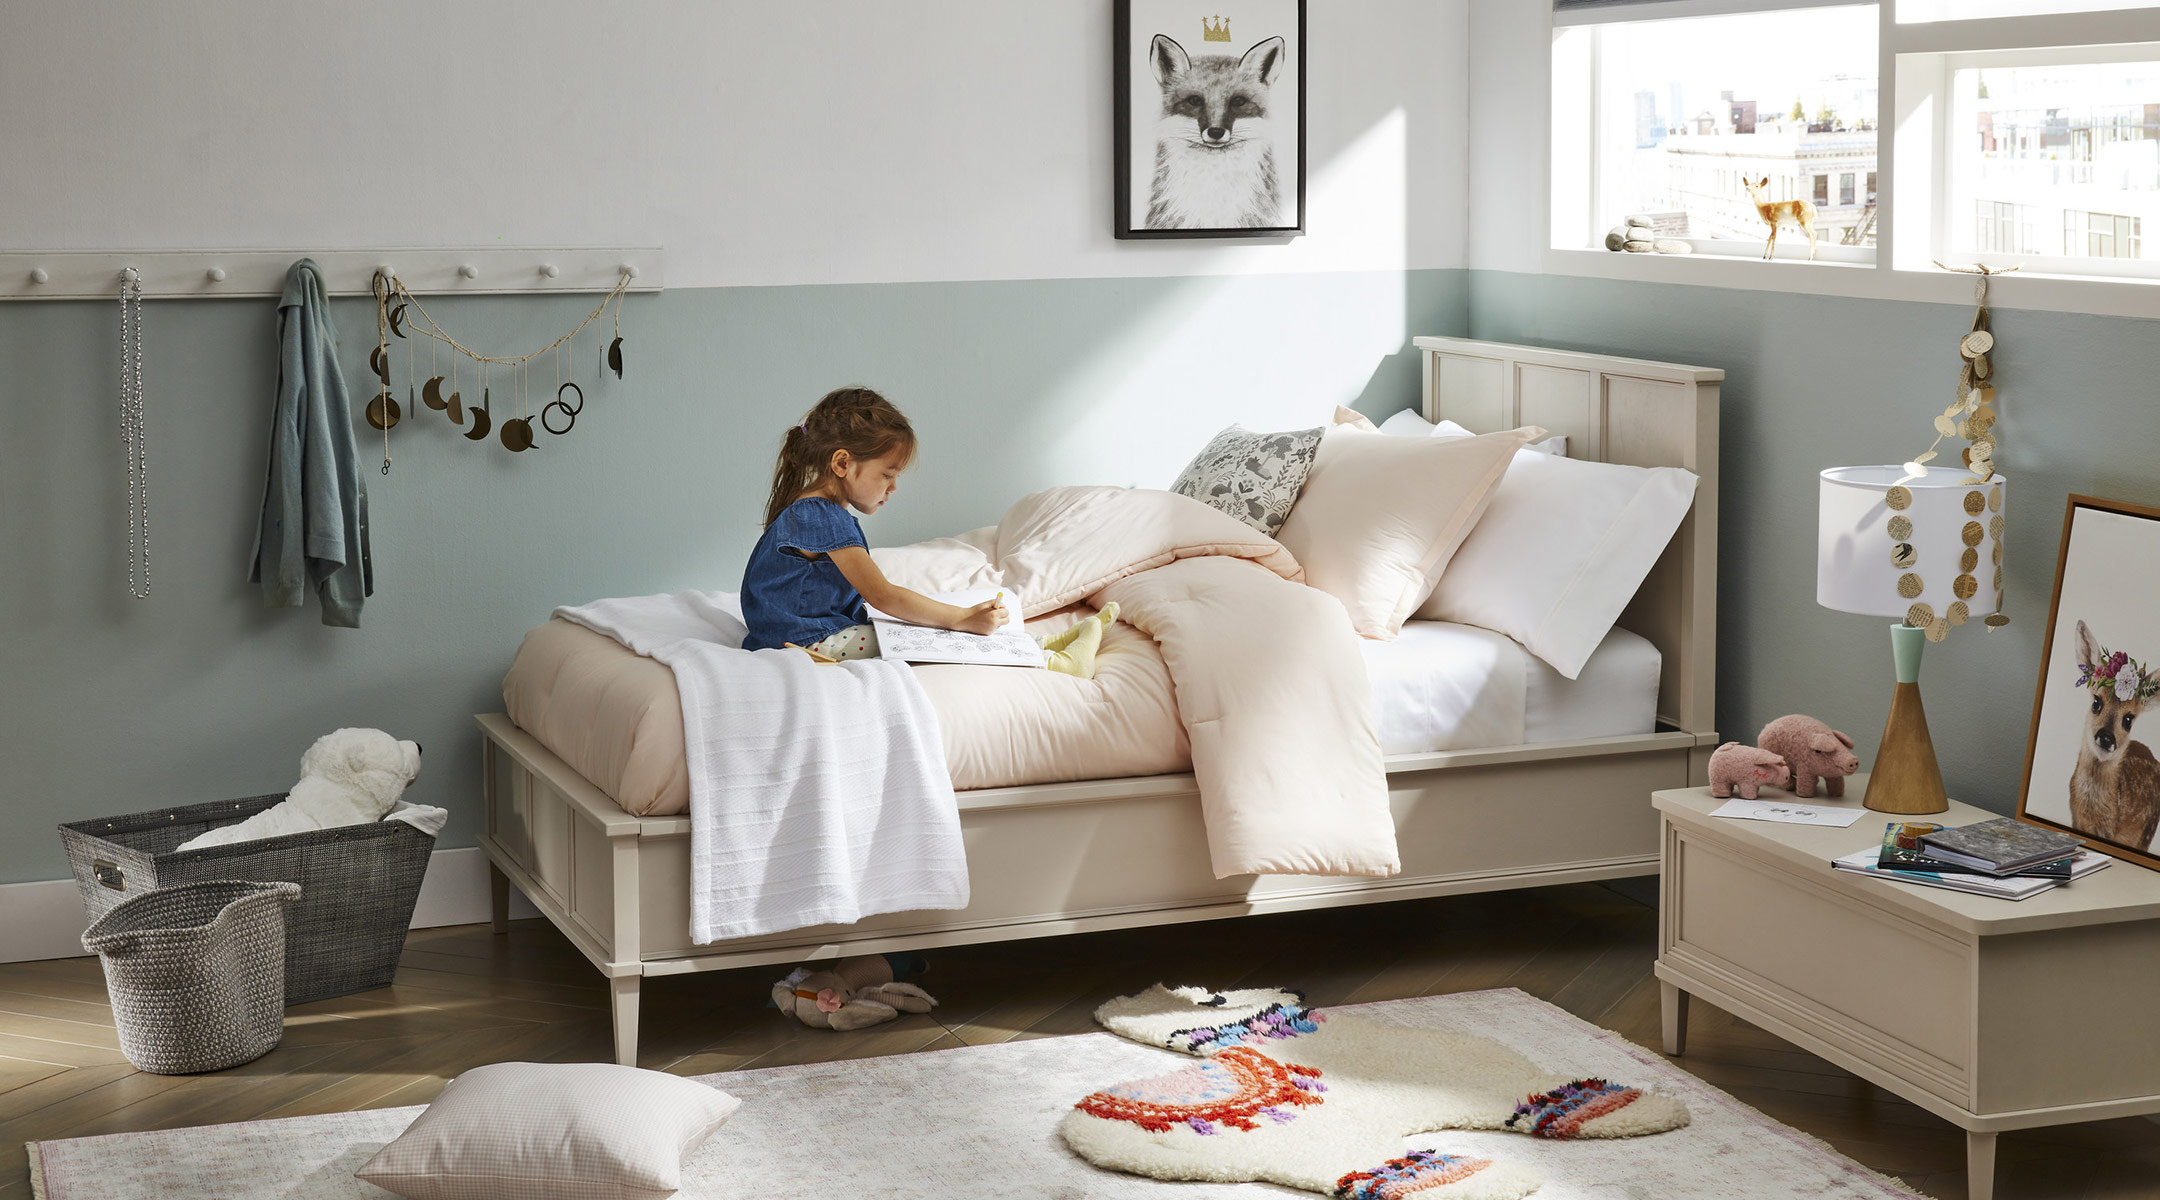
(196, 973)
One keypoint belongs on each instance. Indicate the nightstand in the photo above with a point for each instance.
(1992, 1014)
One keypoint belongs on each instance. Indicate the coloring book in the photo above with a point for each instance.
(1010, 646)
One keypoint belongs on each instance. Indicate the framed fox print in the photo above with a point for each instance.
(1210, 118)
(2089, 767)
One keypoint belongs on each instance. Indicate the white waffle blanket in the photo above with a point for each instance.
(818, 792)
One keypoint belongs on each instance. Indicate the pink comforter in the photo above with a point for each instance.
(1261, 674)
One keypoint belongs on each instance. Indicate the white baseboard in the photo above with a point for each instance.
(45, 918)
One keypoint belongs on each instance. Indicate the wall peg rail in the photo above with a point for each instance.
(431, 271)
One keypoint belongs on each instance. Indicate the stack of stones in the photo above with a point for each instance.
(1638, 236)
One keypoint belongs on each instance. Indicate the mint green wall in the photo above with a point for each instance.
(109, 705)
(1815, 381)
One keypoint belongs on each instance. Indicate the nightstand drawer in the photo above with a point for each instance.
(1888, 990)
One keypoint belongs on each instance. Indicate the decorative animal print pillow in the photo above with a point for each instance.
(1254, 477)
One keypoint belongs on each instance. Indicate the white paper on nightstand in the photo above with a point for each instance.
(1788, 812)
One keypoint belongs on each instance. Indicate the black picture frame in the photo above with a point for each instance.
(1290, 183)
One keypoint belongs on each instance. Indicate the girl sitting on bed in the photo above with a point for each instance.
(811, 572)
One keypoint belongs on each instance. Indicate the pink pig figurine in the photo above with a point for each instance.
(1744, 769)
(1815, 751)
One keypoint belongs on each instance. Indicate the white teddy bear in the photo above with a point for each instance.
(348, 777)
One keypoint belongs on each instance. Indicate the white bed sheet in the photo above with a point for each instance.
(1443, 686)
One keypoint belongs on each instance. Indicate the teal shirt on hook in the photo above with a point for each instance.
(313, 533)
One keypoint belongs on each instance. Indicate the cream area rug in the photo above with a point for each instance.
(983, 1122)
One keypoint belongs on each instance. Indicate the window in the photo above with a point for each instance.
(2076, 144)
(2007, 228)
(2027, 131)
(1690, 118)
(2101, 235)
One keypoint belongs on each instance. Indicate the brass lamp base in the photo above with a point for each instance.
(1906, 779)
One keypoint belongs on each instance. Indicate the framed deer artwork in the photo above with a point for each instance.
(2089, 766)
(1210, 118)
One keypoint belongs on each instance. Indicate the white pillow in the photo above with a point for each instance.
(1560, 551)
(1380, 516)
(1556, 444)
(1408, 423)
(552, 1131)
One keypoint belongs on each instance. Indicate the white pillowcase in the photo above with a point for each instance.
(1560, 551)
(1408, 423)
(1381, 516)
(552, 1131)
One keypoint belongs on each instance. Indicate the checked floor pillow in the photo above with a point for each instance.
(1295, 1095)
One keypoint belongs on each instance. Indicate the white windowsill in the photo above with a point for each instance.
(1869, 281)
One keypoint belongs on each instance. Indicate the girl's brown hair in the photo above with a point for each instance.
(854, 419)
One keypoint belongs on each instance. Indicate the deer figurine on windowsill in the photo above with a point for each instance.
(1775, 212)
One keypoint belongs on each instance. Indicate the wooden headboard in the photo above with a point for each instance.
(1619, 410)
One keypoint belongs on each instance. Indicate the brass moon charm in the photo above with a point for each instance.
(457, 408)
(614, 356)
(383, 411)
(431, 394)
(379, 363)
(517, 434)
(397, 320)
(480, 420)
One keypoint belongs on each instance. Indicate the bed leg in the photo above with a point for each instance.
(623, 991)
(498, 898)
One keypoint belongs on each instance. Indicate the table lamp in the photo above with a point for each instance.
(1927, 550)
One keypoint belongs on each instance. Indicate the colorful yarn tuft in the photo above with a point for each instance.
(1226, 1091)
(1418, 1171)
(1276, 1022)
(1563, 1111)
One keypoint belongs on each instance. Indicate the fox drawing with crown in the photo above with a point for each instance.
(1214, 148)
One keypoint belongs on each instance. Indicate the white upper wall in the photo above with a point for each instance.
(1510, 105)
(759, 142)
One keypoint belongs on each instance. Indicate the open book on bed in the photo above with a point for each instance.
(1010, 646)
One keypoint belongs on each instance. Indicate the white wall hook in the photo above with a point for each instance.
(215, 274)
(629, 270)
(40, 275)
(469, 271)
(550, 270)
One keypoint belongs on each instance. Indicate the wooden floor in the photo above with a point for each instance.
(465, 997)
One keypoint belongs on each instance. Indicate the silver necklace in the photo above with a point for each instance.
(132, 440)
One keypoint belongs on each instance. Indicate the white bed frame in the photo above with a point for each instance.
(1114, 853)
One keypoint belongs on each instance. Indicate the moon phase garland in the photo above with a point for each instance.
(399, 313)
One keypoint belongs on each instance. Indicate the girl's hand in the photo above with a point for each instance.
(987, 617)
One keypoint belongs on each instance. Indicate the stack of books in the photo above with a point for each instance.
(2002, 857)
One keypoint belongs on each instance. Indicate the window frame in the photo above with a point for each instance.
(1912, 88)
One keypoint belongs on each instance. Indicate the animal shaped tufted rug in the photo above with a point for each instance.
(1322, 1100)
(983, 1122)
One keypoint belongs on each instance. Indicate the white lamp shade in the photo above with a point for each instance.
(1860, 564)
